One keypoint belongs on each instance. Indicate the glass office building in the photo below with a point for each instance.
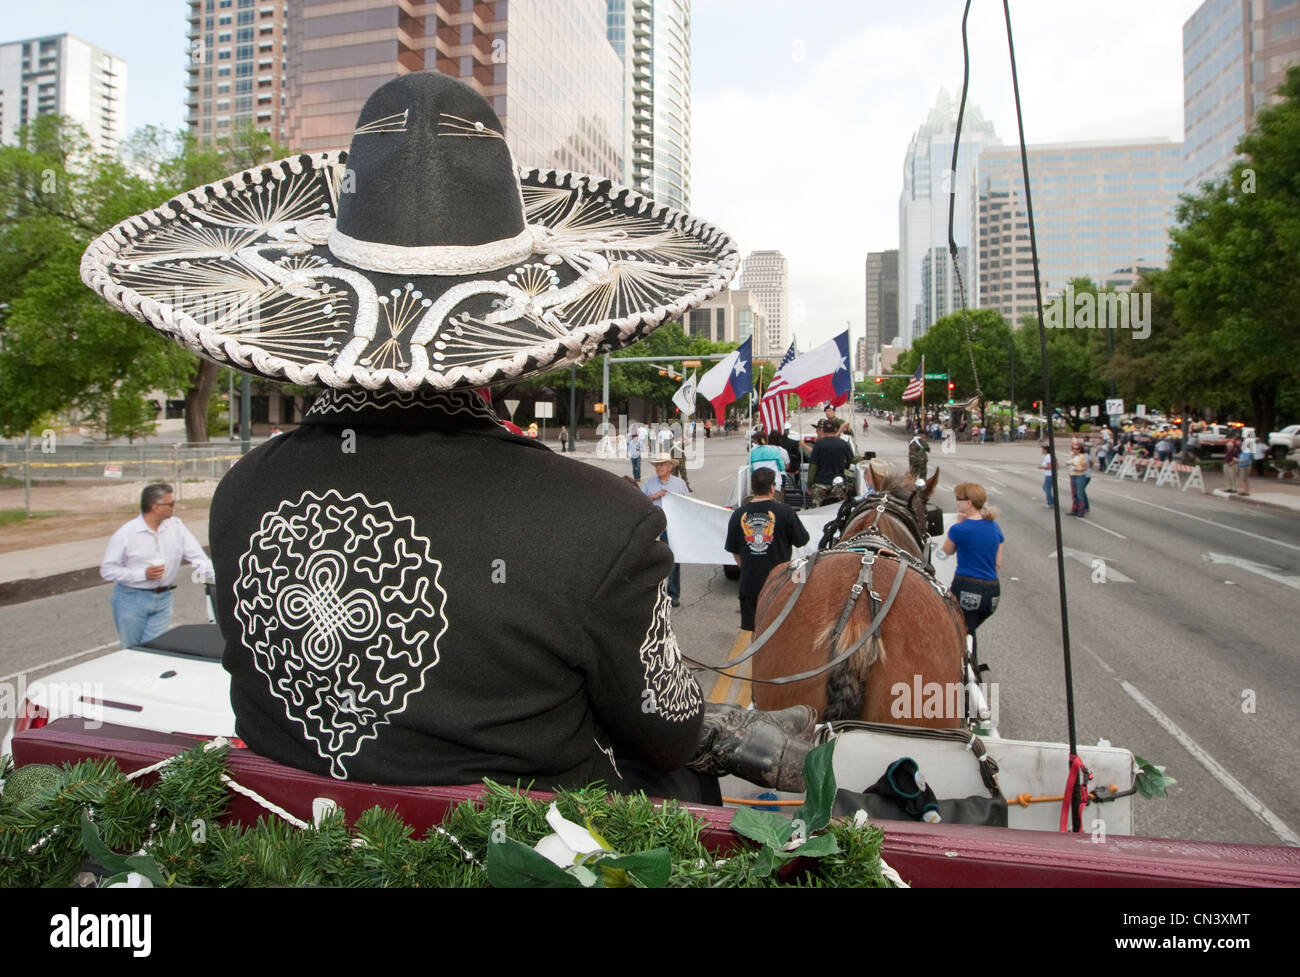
(653, 40)
(547, 68)
(1102, 210)
(928, 179)
(1235, 56)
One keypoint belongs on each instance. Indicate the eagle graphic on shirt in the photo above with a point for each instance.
(759, 528)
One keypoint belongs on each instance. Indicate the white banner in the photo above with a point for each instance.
(697, 531)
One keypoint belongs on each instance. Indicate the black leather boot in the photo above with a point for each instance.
(765, 748)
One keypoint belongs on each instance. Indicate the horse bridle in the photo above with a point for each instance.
(884, 503)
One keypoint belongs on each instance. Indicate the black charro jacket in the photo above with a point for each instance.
(412, 595)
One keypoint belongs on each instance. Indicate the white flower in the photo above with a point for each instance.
(134, 880)
(570, 842)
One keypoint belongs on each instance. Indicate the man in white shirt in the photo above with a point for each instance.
(655, 488)
(143, 558)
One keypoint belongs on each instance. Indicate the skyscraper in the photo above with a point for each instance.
(766, 274)
(882, 303)
(237, 67)
(1235, 55)
(1102, 210)
(63, 75)
(653, 38)
(548, 69)
(923, 213)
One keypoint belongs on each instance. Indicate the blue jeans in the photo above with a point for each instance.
(1079, 489)
(674, 575)
(140, 615)
(1047, 488)
(636, 468)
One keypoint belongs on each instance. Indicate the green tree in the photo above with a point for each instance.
(61, 346)
(1235, 259)
(946, 349)
(1078, 360)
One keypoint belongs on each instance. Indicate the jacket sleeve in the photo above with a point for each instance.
(641, 691)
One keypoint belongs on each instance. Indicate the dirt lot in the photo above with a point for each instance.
(66, 511)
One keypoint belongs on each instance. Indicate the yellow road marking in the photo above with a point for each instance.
(723, 690)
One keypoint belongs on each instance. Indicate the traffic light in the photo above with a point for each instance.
(951, 386)
(1035, 405)
(880, 379)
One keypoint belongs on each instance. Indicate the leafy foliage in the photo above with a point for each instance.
(173, 833)
(61, 346)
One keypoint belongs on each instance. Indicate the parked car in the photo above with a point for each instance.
(1282, 443)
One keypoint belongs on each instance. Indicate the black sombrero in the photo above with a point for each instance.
(421, 257)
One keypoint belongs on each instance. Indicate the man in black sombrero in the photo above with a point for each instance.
(400, 604)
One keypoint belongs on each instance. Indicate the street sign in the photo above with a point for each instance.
(936, 376)
(1096, 411)
(543, 408)
(512, 406)
(1142, 410)
(1115, 407)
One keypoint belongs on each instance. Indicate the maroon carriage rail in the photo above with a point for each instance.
(925, 855)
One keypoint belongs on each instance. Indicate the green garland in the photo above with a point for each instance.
(86, 815)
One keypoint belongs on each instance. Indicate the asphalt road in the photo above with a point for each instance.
(1184, 652)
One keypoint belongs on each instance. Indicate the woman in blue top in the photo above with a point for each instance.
(977, 540)
(768, 454)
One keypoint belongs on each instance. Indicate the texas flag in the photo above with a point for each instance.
(820, 375)
(730, 380)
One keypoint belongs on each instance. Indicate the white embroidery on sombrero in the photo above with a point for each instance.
(676, 693)
(456, 126)
(387, 123)
(203, 225)
(308, 600)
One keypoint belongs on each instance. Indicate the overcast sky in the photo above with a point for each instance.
(802, 111)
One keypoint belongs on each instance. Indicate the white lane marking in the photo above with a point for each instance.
(1216, 769)
(1216, 525)
(58, 661)
(1096, 525)
(1260, 568)
(1087, 560)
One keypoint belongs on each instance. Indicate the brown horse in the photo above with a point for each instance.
(910, 670)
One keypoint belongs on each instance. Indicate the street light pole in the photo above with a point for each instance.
(573, 394)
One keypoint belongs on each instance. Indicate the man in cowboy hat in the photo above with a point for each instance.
(655, 488)
(393, 612)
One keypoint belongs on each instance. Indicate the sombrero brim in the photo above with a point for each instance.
(241, 272)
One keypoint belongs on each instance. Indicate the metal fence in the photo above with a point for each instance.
(152, 462)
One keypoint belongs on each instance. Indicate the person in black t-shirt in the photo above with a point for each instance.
(831, 456)
(762, 533)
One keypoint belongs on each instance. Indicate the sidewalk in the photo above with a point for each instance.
(81, 554)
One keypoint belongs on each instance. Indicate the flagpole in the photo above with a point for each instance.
(921, 423)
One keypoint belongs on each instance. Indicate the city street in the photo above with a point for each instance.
(1182, 644)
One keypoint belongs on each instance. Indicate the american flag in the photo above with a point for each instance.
(915, 386)
(773, 405)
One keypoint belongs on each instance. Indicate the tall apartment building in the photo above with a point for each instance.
(63, 75)
(1102, 210)
(1235, 55)
(928, 179)
(882, 304)
(236, 77)
(767, 275)
(547, 68)
(729, 317)
(653, 39)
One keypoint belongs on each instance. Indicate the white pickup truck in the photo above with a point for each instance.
(1282, 443)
